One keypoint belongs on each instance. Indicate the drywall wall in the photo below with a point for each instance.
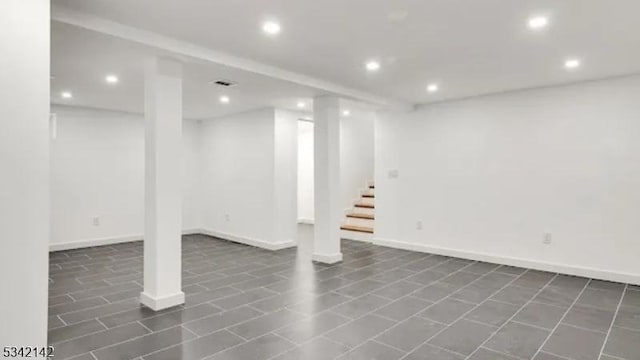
(305, 172)
(97, 177)
(24, 169)
(488, 177)
(243, 157)
(356, 154)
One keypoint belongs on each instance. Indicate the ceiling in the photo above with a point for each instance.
(82, 59)
(468, 47)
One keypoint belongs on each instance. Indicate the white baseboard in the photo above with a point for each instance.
(249, 241)
(356, 236)
(161, 303)
(305, 221)
(327, 259)
(94, 242)
(519, 262)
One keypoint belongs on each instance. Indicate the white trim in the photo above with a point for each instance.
(249, 241)
(161, 303)
(94, 242)
(306, 221)
(356, 236)
(327, 258)
(66, 15)
(519, 262)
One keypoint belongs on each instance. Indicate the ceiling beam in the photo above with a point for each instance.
(87, 21)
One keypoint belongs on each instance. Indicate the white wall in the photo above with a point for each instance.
(305, 171)
(489, 176)
(239, 172)
(24, 171)
(356, 154)
(285, 176)
(97, 170)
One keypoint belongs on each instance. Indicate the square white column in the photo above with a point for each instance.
(24, 171)
(163, 185)
(326, 240)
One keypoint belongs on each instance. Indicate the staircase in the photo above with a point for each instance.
(359, 221)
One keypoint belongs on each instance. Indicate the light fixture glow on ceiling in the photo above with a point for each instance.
(372, 65)
(271, 27)
(301, 105)
(66, 95)
(346, 113)
(572, 64)
(111, 79)
(225, 99)
(433, 88)
(538, 22)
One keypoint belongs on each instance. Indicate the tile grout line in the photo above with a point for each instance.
(606, 339)
(513, 316)
(575, 301)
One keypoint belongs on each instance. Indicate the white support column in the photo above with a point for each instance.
(24, 171)
(326, 117)
(163, 185)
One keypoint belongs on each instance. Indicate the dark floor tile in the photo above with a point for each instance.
(72, 331)
(54, 322)
(139, 313)
(452, 266)
(225, 281)
(220, 321)
(519, 340)
(266, 323)
(306, 329)
(534, 279)
(181, 316)
(631, 298)
(589, 318)
(601, 299)
(410, 333)
(105, 290)
(574, 343)
(628, 317)
(546, 356)
(437, 291)
(492, 313)
(360, 330)
(474, 293)
(76, 306)
(316, 349)
(104, 310)
(360, 288)
(398, 290)
(393, 275)
(263, 347)
(426, 277)
(486, 354)
(495, 281)
(320, 303)
(481, 268)
(557, 296)
(460, 278)
(283, 300)
(403, 308)
(199, 348)
(623, 343)
(360, 306)
(569, 282)
(98, 340)
(463, 337)
(124, 295)
(428, 352)
(209, 295)
(60, 299)
(516, 295)
(512, 270)
(372, 350)
(447, 311)
(259, 282)
(606, 285)
(246, 297)
(541, 315)
(144, 345)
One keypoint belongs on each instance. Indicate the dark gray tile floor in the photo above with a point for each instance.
(246, 303)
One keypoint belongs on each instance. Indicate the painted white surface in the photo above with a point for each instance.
(305, 172)
(285, 182)
(239, 173)
(97, 170)
(356, 155)
(163, 185)
(490, 176)
(24, 160)
(327, 205)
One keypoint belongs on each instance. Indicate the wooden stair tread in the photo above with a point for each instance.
(362, 229)
(372, 186)
(368, 196)
(368, 206)
(361, 216)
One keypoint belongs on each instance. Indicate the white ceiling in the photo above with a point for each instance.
(81, 59)
(470, 47)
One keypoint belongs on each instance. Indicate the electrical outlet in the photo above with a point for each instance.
(96, 221)
(419, 225)
(547, 239)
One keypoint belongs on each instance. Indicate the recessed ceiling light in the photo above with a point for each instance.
(224, 99)
(66, 95)
(111, 79)
(538, 22)
(572, 64)
(346, 113)
(271, 27)
(433, 88)
(301, 105)
(372, 66)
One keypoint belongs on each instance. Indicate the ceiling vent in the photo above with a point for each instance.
(222, 82)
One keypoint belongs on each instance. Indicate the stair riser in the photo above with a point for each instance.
(360, 222)
(367, 201)
(363, 210)
(357, 236)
